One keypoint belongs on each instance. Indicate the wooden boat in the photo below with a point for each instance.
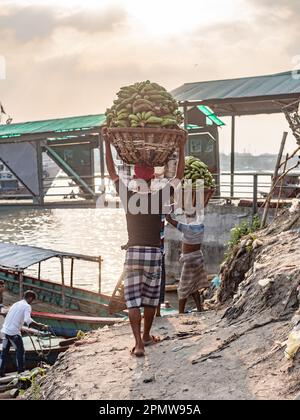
(60, 297)
(37, 350)
(69, 325)
(65, 308)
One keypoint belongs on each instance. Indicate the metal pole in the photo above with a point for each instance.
(100, 274)
(185, 116)
(62, 284)
(255, 183)
(102, 166)
(40, 172)
(21, 285)
(232, 163)
(71, 273)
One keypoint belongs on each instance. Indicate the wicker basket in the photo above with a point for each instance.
(148, 146)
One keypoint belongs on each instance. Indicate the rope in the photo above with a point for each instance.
(41, 354)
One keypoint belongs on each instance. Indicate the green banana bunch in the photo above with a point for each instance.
(195, 170)
(144, 104)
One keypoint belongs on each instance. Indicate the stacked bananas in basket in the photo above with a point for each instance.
(195, 170)
(144, 104)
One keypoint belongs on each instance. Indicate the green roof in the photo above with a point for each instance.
(58, 125)
(243, 96)
(211, 116)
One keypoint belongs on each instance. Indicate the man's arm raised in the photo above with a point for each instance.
(110, 162)
(181, 160)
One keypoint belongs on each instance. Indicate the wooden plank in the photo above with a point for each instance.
(279, 157)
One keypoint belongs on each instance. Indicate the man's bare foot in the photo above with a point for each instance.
(151, 339)
(137, 353)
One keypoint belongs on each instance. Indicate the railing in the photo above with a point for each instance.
(251, 186)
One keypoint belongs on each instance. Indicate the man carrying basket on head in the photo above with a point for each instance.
(193, 275)
(143, 260)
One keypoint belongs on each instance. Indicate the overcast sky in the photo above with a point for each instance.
(70, 59)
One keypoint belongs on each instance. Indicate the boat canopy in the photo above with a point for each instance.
(20, 257)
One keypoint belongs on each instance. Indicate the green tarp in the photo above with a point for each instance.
(58, 125)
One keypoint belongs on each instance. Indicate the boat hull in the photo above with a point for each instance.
(35, 356)
(50, 293)
(69, 325)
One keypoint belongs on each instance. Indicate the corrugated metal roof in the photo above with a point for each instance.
(58, 125)
(19, 257)
(242, 90)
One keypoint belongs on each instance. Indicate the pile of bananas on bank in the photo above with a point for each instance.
(196, 170)
(144, 105)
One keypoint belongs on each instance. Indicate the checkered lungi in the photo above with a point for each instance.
(193, 275)
(142, 276)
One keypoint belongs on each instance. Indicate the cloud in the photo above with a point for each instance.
(97, 21)
(73, 62)
(28, 23)
(37, 22)
(276, 6)
(281, 17)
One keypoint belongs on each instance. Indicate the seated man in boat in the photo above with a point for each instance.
(18, 315)
(143, 256)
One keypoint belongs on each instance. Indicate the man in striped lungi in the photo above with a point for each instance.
(143, 260)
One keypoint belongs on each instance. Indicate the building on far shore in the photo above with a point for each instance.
(8, 181)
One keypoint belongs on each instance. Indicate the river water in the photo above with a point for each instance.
(96, 232)
(85, 231)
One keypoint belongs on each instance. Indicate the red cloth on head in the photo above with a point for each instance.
(143, 172)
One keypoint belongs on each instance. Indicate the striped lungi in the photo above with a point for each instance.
(193, 275)
(142, 276)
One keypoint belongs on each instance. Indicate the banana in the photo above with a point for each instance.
(156, 97)
(122, 110)
(168, 121)
(123, 116)
(154, 120)
(122, 123)
(143, 103)
(148, 114)
(133, 117)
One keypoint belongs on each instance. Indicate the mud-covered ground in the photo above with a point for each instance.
(199, 357)
(235, 353)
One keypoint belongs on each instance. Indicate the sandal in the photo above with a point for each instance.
(154, 340)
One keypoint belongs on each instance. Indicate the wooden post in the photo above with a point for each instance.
(267, 203)
(255, 183)
(62, 284)
(100, 274)
(232, 162)
(39, 272)
(71, 272)
(21, 285)
(281, 183)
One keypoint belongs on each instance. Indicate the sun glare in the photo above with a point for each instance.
(161, 17)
